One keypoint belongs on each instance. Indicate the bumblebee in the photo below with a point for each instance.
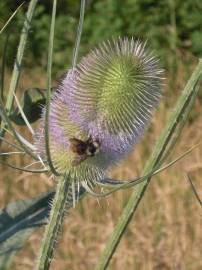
(83, 149)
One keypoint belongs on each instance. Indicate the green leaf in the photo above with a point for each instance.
(196, 38)
(17, 222)
(32, 103)
(22, 218)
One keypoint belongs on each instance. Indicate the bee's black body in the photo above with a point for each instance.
(84, 149)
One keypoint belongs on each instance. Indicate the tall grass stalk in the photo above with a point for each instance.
(11, 17)
(168, 137)
(78, 36)
(48, 96)
(3, 67)
(19, 57)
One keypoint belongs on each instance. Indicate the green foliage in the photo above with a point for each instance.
(20, 219)
(17, 222)
(146, 19)
(32, 103)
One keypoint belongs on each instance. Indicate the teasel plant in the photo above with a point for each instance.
(93, 120)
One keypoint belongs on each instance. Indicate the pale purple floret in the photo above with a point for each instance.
(56, 116)
(56, 131)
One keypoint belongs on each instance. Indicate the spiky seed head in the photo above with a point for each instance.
(109, 98)
(61, 132)
(115, 94)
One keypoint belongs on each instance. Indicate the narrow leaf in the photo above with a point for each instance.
(10, 18)
(32, 103)
(22, 218)
(17, 222)
(18, 62)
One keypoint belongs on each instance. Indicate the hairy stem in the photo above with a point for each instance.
(55, 223)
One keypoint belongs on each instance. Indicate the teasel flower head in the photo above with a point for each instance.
(103, 105)
(117, 89)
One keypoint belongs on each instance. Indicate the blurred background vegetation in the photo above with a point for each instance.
(166, 232)
(172, 27)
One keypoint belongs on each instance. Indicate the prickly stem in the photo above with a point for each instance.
(54, 224)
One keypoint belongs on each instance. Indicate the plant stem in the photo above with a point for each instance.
(48, 92)
(3, 66)
(55, 223)
(182, 108)
(18, 61)
(78, 35)
(20, 53)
